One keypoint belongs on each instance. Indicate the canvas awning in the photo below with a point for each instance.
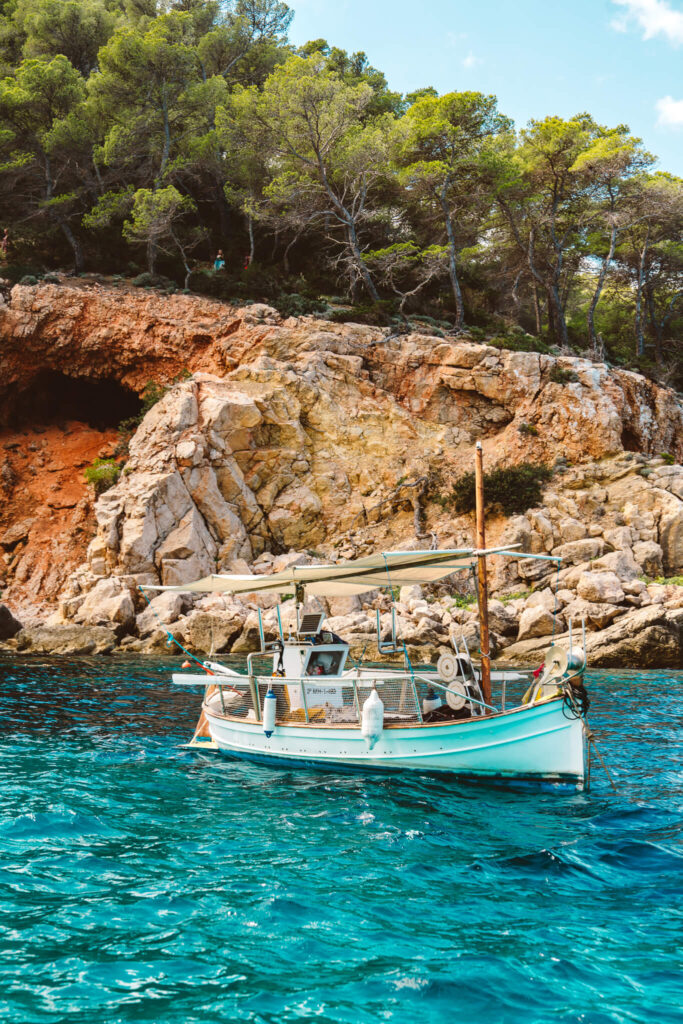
(385, 569)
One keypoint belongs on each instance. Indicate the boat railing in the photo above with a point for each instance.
(330, 700)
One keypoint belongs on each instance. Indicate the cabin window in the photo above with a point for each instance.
(325, 662)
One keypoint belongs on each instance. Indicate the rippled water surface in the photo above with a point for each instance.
(139, 882)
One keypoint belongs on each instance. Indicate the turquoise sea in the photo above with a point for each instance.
(139, 882)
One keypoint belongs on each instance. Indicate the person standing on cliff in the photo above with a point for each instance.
(219, 262)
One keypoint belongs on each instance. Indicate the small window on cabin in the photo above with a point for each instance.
(324, 663)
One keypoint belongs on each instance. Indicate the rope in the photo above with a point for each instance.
(591, 743)
(557, 587)
(577, 701)
(171, 639)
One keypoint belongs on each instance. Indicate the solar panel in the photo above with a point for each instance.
(310, 623)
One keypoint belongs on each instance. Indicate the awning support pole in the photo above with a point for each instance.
(482, 581)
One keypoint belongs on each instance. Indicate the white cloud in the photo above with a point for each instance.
(470, 61)
(655, 18)
(670, 112)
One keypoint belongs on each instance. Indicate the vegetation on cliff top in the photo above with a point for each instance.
(150, 134)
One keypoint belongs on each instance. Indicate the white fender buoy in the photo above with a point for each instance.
(269, 708)
(456, 695)
(372, 719)
(431, 701)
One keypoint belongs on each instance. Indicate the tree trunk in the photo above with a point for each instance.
(223, 215)
(76, 246)
(453, 270)
(560, 324)
(655, 325)
(640, 332)
(537, 310)
(151, 256)
(598, 290)
(361, 268)
(250, 226)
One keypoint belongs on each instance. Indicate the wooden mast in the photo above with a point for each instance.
(482, 581)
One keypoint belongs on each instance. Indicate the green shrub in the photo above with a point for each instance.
(528, 429)
(519, 342)
(147, 280)
(668, 458)
(52, 279)
(29, 279)
(513, 490)
(560, 376)
(14, 272)
(102, 474)
(298, 305)
(464, 600)
(516, 595)
(377, 314)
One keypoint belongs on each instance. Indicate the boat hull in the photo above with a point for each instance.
(541, 742)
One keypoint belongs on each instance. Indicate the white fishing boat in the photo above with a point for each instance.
(309, 705)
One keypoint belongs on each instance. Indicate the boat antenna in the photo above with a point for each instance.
(482, 581)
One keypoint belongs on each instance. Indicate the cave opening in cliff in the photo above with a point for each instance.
(630, 441)
(55, 398)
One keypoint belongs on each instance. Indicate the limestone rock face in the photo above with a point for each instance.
(332, 440)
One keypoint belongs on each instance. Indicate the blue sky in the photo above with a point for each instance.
(621, 60)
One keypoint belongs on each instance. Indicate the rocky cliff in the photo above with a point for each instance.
(321, 439)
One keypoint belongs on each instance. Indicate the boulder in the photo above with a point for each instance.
(412, 593)
(671, 540)
(671, 478)
(580, 550)
(596, 614)
(571, 530)
(501, 620)
(249, 639)
(340, 606)
(215, 632)
(532, 570)
(621, 537)
(69, 639)
(537, 621)
(621, 563)
(646, 638)
(15, 534)
(108, 601)
(649, 637)
(649, 556)
(9, 626)
(165, 607)
(601, 587)
(541, 599)
(542, 536)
